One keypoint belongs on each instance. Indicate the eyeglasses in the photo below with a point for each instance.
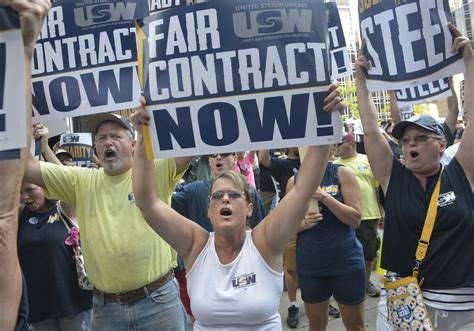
(218, 195)
(419, 138)
(221, 154)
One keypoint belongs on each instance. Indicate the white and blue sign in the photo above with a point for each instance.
(12, 85)
(237, 75)
(157, 5)
(406, 112)
(408, 43)
(85, 58)
(340, 61)
(79, 145)
(413, 95)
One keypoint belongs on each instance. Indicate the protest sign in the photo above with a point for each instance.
(236, 75)
(340, 62)
(406, 112)
(413, 95)
(85, 58)
(156, 5)
(56, 126)
(80, 147)
(12, 83)
(408, 43)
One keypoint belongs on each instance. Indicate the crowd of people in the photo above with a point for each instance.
(214, 239)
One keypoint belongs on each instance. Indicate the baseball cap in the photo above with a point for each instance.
(62, 151)
(349, 137)
(95, 121)
(425, 122)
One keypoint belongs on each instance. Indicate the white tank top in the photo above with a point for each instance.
(242, 295)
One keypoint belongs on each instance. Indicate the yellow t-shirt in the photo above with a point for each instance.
(367, 183)
(121, 251)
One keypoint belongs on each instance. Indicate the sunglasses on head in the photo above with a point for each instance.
(221, 154)
(218, 195)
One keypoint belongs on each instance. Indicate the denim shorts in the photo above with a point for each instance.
(347, 290)
(160, 310)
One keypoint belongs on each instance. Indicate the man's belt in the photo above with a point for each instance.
(135, 295)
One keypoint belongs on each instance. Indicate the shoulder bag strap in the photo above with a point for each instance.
(64, 217)
(430, 219)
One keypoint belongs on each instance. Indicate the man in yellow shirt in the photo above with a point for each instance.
(128, 264)
(367, 231)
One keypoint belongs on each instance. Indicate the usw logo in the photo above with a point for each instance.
(267, 22)
(104, 13)
(244, 280)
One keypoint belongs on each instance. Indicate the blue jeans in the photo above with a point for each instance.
(160, 310)
(78, 322)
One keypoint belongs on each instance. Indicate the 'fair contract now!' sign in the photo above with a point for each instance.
(237, 75)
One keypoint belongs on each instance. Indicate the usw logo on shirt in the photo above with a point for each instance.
(244, 280)
(446, 199)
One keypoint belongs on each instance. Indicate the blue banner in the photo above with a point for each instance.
(413, 95)
(408, 42)
(85, 58)
(236, 75)
(340, 61)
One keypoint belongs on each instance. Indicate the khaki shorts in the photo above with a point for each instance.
(367, 235)
(289, 255)
(267, 198)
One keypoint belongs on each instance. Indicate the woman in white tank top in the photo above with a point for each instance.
(235, 277)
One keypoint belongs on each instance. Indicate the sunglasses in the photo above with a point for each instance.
(419, 138)
(221, 154)
(218, 195)
(341, 143)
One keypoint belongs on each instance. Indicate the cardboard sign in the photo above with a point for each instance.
(80, 147)
(157, 5)
(85, 59)
(408, 43)
(341, 65)
(413, 95)
(12, 84)
(236, 75)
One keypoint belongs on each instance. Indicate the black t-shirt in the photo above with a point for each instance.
(450, 136)
(50, 272)
(395, 149)
(449, 262)
(282, 170)
(266, 182)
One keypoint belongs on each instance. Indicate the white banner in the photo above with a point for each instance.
(12, 88)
